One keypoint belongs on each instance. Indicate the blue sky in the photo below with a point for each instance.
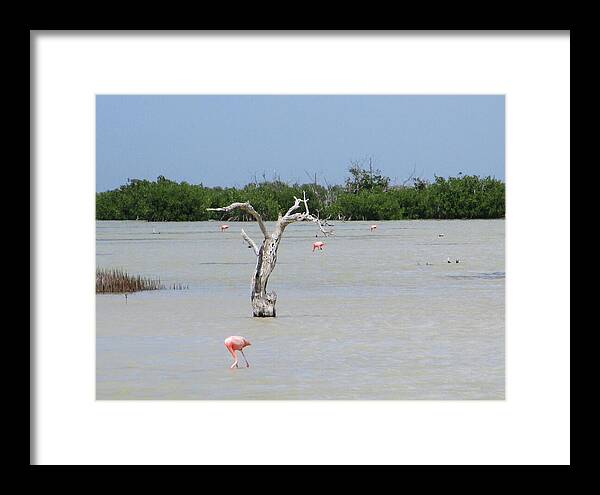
(227, 140)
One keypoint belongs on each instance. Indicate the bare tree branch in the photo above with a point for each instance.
(247, 207)
(293, 208)
(303, 217)
(410, 176)
(322, 224)
(250, 242)
(305, 201)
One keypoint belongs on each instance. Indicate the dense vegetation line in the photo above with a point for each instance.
(366, 195)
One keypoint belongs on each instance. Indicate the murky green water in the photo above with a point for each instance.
(375, 315)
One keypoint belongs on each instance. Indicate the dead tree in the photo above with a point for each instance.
(263, 302)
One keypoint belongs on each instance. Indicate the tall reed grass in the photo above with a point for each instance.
(117, 281)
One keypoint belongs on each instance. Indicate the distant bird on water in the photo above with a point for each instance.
(318, 245)
(372, 227)
(224, 227)
(237, 343)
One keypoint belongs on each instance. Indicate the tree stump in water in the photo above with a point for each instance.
(263, 306)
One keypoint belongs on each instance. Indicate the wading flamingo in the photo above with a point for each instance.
(224, 227)
(373, 227)
(237, 343)
(318, 245)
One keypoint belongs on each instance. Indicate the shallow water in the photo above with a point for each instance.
(374, 315)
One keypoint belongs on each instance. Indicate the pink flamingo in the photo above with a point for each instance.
(224, 227)
(373, 227)
(237, 343)
(318, 245)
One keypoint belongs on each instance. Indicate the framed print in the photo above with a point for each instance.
(343, 238)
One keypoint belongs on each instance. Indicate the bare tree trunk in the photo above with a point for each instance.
(263, 302)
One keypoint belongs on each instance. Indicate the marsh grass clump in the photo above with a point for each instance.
(117, 281)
